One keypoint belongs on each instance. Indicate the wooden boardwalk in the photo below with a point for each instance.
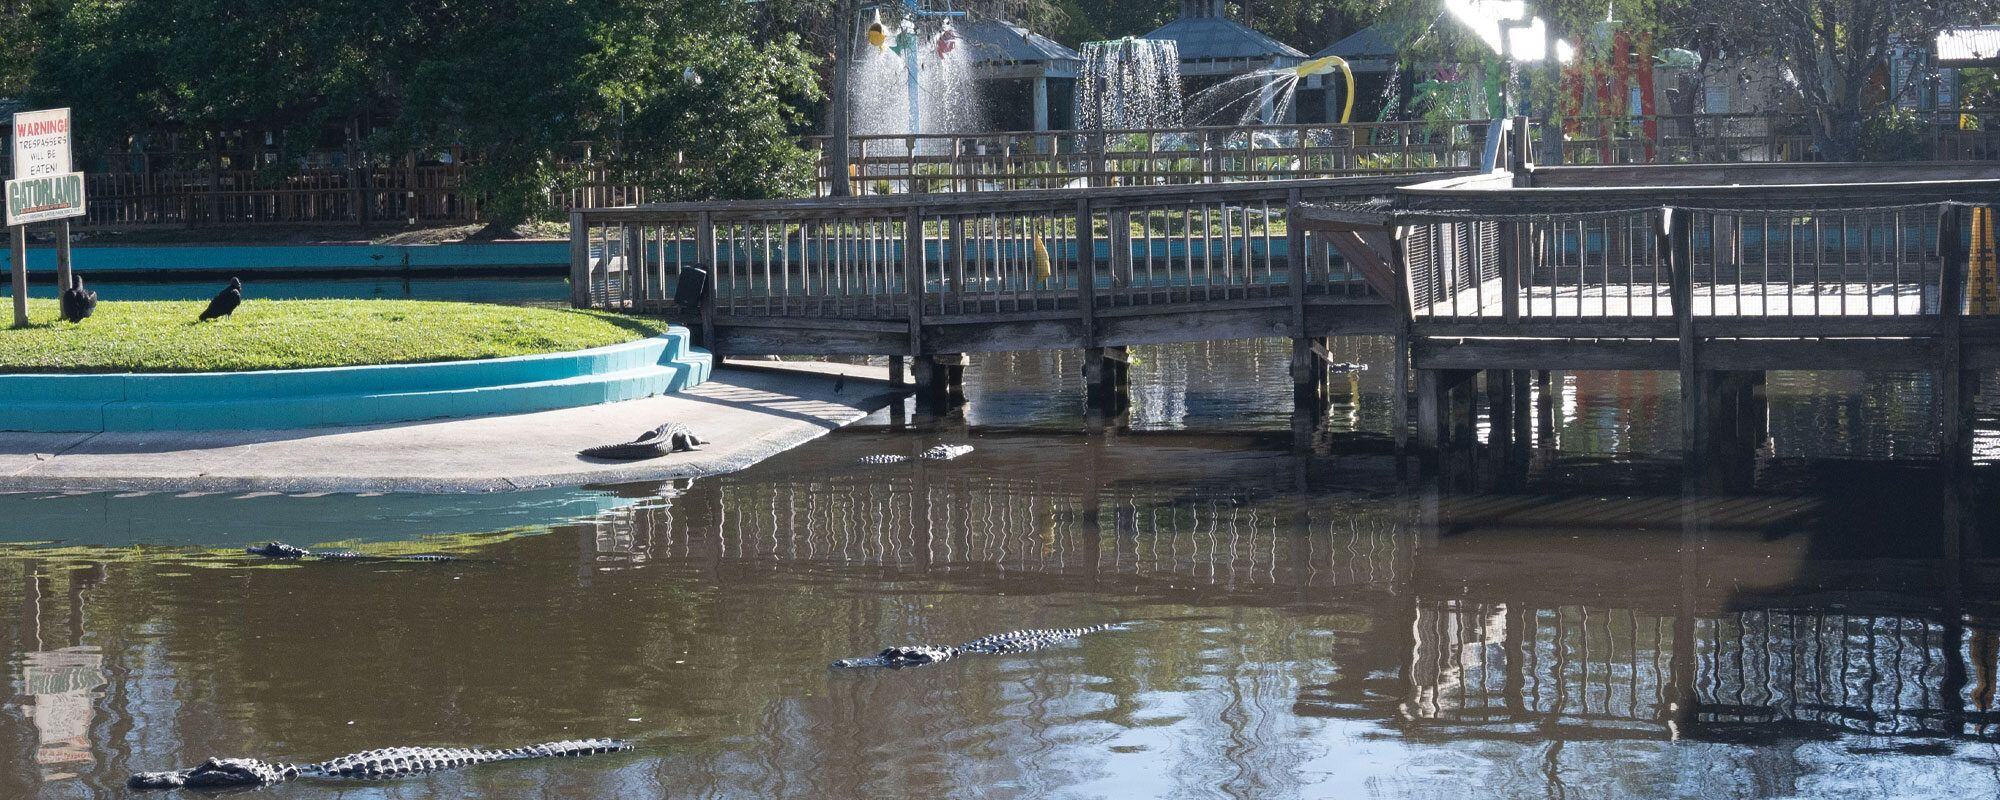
(1718, 272)
(924, 275)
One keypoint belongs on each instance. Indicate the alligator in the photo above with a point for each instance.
(943, 452)
(1009, 642)
(393, 762)
(286, 552)
(672, 437)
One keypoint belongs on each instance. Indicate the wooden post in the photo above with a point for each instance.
(897, 376)
(1460, 427)
(1086, 273)
(1105, 371)
(914, 279)
(1500, 416)
(17, 262)
(1296, 262)
(1510, 272)
(633, 258)
(704, 256)
(1309, 374)
(63, 267)
(579, 261)
(1399, 365)
(934, 375)
(1430, 417)
(1120, 245)
(1522, 417)
(1671, 236)
(1955, 437)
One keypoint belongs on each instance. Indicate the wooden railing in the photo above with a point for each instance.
(1881, 264)
(1008, 160)
(1162, 156)
(898, 263)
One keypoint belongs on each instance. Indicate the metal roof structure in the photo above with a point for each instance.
(1213, 44)
(1001, 49)
(1977, 46)
(1375, 48)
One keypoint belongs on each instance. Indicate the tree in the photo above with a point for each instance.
(679, 95)
(1831, 50)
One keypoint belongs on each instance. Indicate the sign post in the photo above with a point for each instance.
(45, 188)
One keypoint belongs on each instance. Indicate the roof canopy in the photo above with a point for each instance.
(1969, 47)
(1371, 49)
(1212, 44)
(1002, 49)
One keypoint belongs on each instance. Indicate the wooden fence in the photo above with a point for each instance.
(1065, 264)
(196, 188)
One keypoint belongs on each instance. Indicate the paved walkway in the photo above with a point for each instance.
(747, 413)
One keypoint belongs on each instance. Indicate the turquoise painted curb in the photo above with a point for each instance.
(252, 258)
(333, 396)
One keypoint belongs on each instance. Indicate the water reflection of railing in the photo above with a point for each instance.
(1594, 672)
(984, 525)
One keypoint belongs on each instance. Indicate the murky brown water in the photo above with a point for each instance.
(1307, 626)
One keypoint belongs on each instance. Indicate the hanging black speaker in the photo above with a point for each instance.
(692, 287)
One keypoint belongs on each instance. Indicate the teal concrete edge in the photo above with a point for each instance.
(366, 395)
(251, 258)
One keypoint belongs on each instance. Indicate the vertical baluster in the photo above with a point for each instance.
(1896, 262)
(1818, 261)
(1207, 253)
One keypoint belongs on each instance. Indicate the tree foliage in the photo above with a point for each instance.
(1832, 51)
(685, 95)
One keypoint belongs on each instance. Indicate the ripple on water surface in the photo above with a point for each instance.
(1297, 640)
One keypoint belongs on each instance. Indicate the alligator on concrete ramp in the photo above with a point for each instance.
(285, 552)
(942, 452)
(672, 437)
(386, 763)
(1009, 642)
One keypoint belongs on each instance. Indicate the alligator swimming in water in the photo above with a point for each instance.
(282, 551)
(1009, 642)
(942, 452)
(672, 437)
(390, 762)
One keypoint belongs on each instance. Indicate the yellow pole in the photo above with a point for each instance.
(1983, 290)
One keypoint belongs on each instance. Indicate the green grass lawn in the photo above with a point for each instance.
(162, 336)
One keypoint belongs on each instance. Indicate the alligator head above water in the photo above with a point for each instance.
(1010, 642)
(223, 773)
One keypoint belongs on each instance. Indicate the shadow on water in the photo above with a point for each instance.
(1311, 627)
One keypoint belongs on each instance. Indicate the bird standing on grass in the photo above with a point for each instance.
(77, 302)
(225, 301)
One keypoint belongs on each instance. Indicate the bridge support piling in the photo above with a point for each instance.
(1106, 381)
(1522, 415)
(1310, 373)
(896, 377)
(1501, 391)
(940, 381)
(1447, 423)
(1732, 422)
(1545, 411)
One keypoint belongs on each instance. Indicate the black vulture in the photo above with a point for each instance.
(77, 302)
(225, 301)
